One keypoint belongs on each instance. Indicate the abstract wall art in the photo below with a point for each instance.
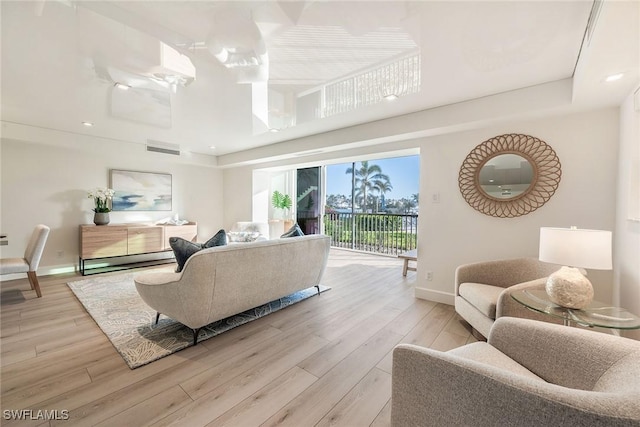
(140, 191)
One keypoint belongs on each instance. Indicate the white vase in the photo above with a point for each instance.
(568, 287)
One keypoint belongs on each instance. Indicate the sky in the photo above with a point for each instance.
(403, 172)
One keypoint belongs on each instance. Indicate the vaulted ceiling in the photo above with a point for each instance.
(218, 77)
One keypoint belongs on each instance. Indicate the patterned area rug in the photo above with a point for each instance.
(127, 321)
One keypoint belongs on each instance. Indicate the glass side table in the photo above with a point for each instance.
(596, 314)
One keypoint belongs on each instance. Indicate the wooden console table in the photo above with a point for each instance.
(102, 242)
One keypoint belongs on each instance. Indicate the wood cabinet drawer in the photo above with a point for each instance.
(130, 239)
(188, 232)
(144, 239)
(103, 241)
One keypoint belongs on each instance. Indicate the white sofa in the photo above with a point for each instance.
(221, 281)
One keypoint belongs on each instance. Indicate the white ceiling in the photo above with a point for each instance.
(60, 60)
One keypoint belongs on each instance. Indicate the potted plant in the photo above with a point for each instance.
(101, 209)
(283, 202)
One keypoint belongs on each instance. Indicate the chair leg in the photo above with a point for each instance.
(477, 335)
(33, 280)
(195, 335)
(318, 288)
(157, 317)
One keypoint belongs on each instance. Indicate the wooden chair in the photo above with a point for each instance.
(32, 255)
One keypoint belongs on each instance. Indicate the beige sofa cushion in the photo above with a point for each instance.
(482, 290)
(487, 354)
(482, 297)
(588, 379)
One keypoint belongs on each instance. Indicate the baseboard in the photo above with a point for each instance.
(432, 295)
(57, 269)
(14, 276)
(42, 271)
(100, 262)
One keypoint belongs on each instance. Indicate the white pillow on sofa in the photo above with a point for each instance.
(242, 236)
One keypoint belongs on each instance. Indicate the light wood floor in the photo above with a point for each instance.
(324, 361)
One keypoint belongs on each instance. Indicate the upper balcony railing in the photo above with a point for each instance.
(397, 78)
(389, 234)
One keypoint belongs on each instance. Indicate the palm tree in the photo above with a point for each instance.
(382, 187)
(365, 179)
(408, 204)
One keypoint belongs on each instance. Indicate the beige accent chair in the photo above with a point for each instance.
(483, 290)
(529, 373)
(28, 264)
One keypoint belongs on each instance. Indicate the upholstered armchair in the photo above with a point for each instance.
(244, 231)
(29, 263)
(529, 373)
(483, 290)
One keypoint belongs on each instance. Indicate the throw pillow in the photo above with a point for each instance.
(294, 231)
(183, 249)
(243, 236)
(219, 239)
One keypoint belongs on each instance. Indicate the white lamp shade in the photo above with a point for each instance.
(576, 247)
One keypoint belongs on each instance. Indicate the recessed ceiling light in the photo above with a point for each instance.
(122, 86)
(87, 124)
(391, 97)
(614, 77)
(213, 147)
(274, 130)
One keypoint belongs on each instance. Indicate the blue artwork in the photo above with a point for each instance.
(140, 191)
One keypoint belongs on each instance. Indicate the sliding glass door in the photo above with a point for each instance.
(309, 199)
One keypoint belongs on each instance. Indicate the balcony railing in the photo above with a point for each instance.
(399, 77)
(389, 234)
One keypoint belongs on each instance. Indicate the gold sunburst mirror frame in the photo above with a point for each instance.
(537, 179)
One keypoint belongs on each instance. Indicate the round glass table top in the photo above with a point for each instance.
(596, 314)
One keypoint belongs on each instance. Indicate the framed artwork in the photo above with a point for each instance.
(140, 191)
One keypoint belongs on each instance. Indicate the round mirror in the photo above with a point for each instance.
(506, 176)
(509, 175)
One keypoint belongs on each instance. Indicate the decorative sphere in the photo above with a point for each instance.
(569, 288)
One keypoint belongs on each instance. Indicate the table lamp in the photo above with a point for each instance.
(574, 249)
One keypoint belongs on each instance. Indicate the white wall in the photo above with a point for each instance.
(48, 184)
(238, 195)
(627, 232)
(248, 196)
(452, 233)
